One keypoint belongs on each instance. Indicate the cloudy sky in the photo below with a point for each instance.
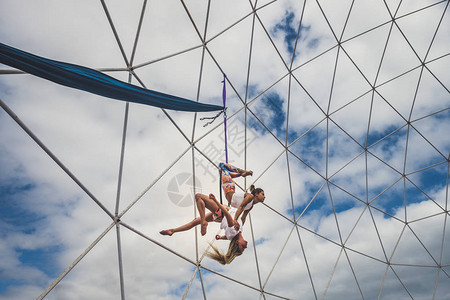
(341, 110)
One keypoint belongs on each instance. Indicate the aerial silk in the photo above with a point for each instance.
(221, 171)
(95, 82)
(224, 99)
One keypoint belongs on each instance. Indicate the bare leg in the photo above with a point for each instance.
(245, 173)
(187, 226)
(233, 172)
(203, 202)
(184, 227)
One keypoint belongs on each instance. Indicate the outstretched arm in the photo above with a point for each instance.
(244, 216)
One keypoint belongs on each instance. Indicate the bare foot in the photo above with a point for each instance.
(203, 227)
(246, 173)
(166, 232)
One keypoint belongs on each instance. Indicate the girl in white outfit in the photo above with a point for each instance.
(233, 230)
(242, 201)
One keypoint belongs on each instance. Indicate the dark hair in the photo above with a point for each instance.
(254, 190)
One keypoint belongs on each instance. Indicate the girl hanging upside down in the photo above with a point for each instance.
(244, 202)
(233, 229)
(241, 203)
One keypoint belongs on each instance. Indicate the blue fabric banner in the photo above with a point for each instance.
(96, 82)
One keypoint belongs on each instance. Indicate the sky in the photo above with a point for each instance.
(340, 110)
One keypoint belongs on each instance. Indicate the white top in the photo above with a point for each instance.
(230, 232)
(237, 199)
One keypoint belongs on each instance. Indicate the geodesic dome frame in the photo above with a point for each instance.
(340, 111)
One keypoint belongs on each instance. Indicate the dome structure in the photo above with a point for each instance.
(340, 110)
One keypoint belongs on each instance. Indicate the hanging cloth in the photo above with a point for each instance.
(224, 111)
(224, 99)
(95, 82)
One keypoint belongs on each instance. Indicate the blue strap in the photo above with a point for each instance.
(224, 98)
(220, 185)
(95, 82)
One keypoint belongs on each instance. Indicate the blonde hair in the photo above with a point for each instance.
(233, 252)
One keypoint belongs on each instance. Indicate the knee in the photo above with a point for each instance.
(198, 197)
